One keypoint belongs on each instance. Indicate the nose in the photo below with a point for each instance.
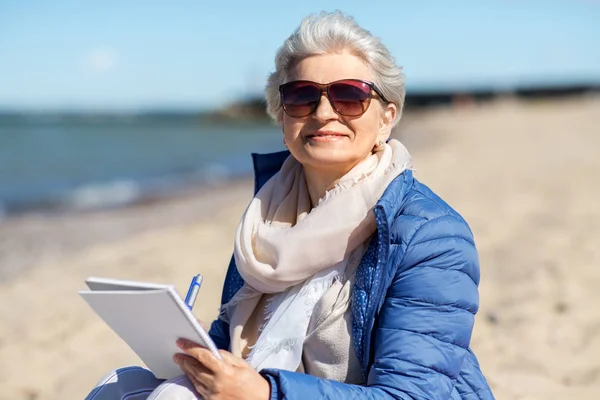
(325, 110)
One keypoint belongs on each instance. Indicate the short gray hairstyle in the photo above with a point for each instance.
(332, 32)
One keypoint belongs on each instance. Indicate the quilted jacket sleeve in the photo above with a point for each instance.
(424, 326)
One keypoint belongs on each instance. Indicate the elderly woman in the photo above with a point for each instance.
(350, 279)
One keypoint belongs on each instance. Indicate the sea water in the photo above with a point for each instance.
(85, 163)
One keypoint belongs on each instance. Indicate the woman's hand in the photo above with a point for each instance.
(228, 379)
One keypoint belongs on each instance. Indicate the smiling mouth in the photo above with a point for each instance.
(325, 135)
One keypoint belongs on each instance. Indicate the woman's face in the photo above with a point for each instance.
(326, 140)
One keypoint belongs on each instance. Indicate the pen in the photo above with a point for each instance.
(192, 293)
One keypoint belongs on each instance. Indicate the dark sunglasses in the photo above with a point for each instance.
(348, 97)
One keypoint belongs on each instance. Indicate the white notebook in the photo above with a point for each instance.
(149, 318)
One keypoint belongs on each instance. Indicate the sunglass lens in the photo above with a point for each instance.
(350, 97)
(300, 98)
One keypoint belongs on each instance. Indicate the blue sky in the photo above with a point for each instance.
(133, 55)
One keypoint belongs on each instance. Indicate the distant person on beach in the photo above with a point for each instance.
(350, 279)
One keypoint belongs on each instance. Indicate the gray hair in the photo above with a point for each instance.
(332, 32)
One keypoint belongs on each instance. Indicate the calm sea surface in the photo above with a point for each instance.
(91, 164)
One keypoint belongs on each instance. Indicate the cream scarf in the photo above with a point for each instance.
(287, 248)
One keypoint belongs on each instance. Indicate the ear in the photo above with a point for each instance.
(388, 116)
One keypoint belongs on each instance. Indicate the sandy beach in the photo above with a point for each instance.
(526, 176)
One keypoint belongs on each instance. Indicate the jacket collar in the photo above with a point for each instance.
(267, 165)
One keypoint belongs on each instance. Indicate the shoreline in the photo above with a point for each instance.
(34, 238)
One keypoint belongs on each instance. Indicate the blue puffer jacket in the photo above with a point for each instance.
(413, 303)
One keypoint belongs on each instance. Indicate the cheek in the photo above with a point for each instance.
(367, 128)
(291, 127)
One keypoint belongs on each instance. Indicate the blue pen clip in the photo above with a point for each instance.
(192, 293)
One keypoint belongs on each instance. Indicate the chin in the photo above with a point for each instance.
(327, 159)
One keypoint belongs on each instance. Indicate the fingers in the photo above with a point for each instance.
(202, 324)
(200, 388)
(204, 356)
(192, 367)
(231, 359)
(199, 376)
(230, 377)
